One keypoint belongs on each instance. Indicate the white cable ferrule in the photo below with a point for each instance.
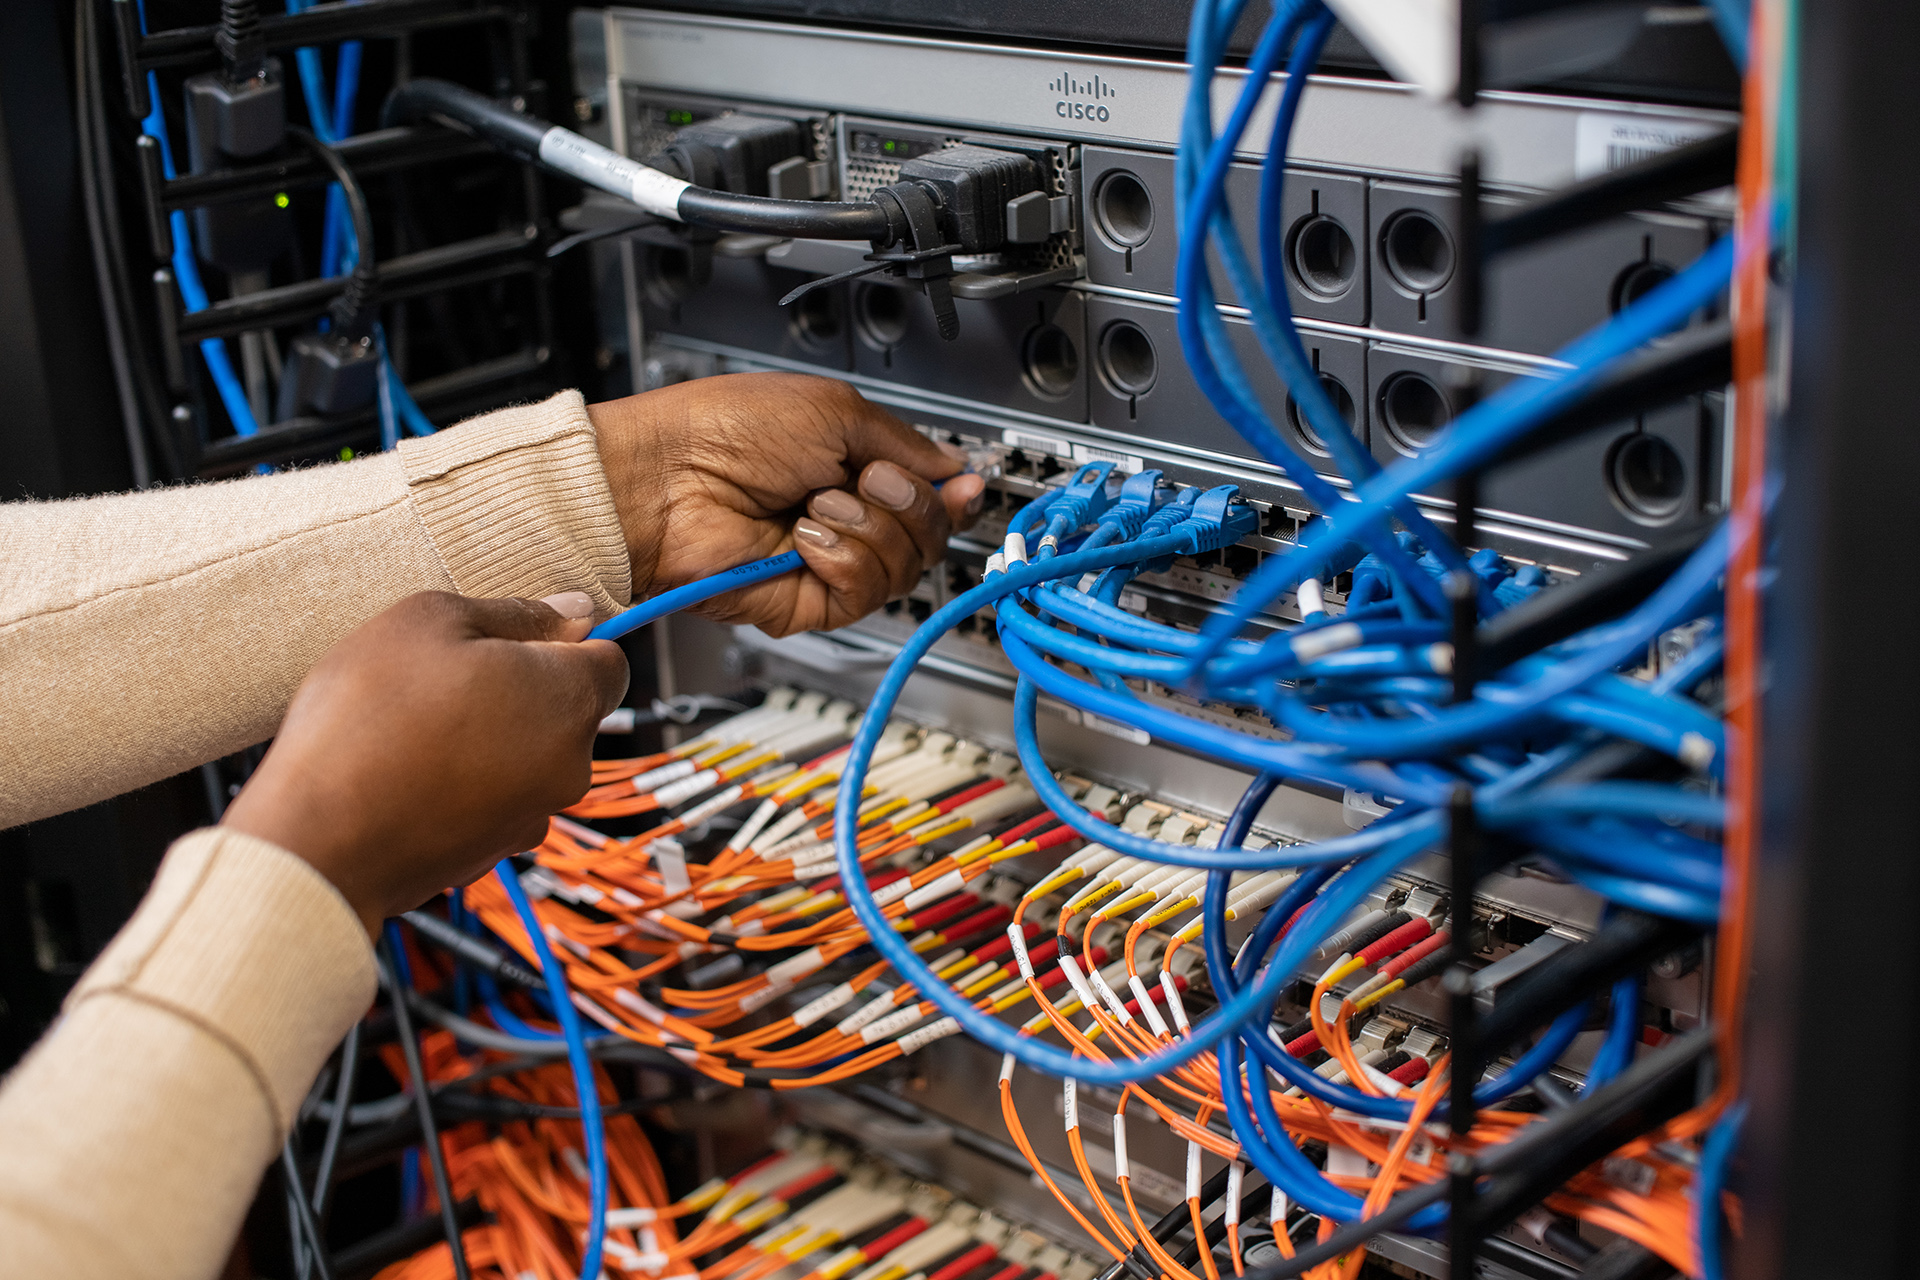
(1277, 1210)
(1006, 1067)
(1015, 549)
(1121, 1169)
(996, 563)
(1175, 1005)
(1236, 1181)
(1193, 1171)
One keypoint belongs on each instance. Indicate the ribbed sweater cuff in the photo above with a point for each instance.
(253, 946)
(517, 504)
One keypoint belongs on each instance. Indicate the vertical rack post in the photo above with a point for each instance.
(1463, 849)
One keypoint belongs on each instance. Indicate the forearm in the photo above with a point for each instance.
(133, 1136)
(145, 633)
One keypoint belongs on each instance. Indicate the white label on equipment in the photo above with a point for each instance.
(1604, 140)
(1027, 442)
(656, 192)
(1132, 462)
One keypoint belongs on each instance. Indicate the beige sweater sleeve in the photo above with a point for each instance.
(145, 633)
(133, 1135)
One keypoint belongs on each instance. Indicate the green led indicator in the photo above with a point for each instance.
(679, 117)
(889, 144)
(280, 200)
(346, 455)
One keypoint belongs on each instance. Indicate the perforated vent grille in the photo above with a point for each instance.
(864, 177)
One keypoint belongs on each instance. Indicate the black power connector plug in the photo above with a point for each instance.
(238, 113)
(973, 187)
(747, 155)
(327, 373)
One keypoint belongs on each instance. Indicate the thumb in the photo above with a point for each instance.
(565, 616)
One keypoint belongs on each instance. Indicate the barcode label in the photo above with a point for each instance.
(1604, 140)
(1029, 443)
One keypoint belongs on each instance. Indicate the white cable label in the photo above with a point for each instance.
(1077, 980)
(1070, 1103)
(670, 859)
(712, 805)
(685, 789)
(915, 1041)
(952, 882)
(1236, 1181)
(1120, 1167)
(794, 968)
(814, 1010)
(891, 1025)
(1175, 1005)
(585, 835)
(1018, 936)
(620, 1218)
(1111, 998)
(641, 1005)
(894, 892)
(1015, 549)
(1006, 1067)
(1142, 998)
(1193, 1171)
(656, 192)
(757, 1000)
(864, 1014)
(645, 782)
(1322, 641)
(753, 825)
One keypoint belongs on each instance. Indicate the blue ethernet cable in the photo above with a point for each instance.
(1203, 337)
(693, 593)
(1623, 1032)
(592, 1123)
(1708, 1181)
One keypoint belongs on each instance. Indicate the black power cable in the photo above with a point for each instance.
(352, 311)
(423, 1105)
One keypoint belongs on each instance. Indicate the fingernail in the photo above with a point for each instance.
(838, 506)
(955, 452)
(888, 485)
(570, 604)
(818, 534)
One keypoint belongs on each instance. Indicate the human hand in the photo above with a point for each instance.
(433, 741)
(715, 472)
